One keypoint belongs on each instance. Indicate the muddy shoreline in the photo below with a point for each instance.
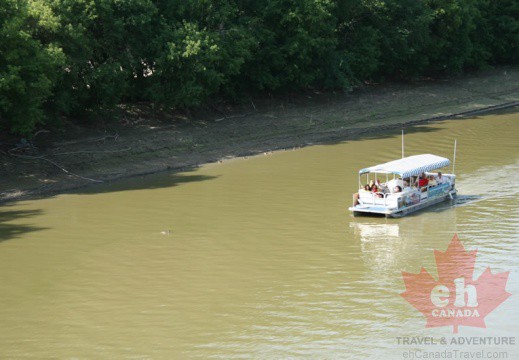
(140, 143)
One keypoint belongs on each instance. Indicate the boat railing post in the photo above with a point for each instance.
(454, 158)
(402, 143)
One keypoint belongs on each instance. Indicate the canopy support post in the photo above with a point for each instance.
(402, 143)
(454, 158)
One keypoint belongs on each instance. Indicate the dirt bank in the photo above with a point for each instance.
(140, 141)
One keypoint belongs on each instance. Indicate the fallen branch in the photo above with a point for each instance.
(71, 173)
(232, 117)
(114, 136)
(28, 157)
(91, 152)
(42, 131)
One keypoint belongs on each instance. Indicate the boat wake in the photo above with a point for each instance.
(465, 200)
(487, 184)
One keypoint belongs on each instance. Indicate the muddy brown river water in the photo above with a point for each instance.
(256, 258)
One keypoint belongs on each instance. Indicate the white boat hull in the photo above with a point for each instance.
(414, 186)
(379, 210)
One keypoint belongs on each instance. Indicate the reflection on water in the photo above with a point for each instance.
(372, 232)
(262, 259)
(380, 244)
(387, 245)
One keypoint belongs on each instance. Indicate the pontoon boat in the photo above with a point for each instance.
(403, 186)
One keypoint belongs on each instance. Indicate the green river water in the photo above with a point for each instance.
(255, 258)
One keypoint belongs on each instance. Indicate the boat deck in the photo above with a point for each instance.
(413, 186)
(395, 213)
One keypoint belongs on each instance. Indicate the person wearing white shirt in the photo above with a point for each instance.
(381, 187)
(440, 179)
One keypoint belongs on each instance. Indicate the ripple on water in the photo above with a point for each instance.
(262, 260)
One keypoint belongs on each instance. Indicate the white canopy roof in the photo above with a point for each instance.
(410, 166)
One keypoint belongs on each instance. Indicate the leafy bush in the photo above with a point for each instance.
(81, 58)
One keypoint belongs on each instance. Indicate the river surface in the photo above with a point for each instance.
(255, 257)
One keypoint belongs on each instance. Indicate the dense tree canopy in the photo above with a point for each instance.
(81, 58)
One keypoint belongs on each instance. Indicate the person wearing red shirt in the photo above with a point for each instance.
(423, 181)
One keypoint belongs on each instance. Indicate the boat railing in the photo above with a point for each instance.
(440, 188)
(382, 199)
(372, 198)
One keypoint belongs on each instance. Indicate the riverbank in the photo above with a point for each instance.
(142, 142)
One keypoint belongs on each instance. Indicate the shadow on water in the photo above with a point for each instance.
(395, 131)
(161, 179)
(169, 178)
(177, 177)
(145, 182)
(182, 176)
(11, 228)
(411, 127)
(11, 231)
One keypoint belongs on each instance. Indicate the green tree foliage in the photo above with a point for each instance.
(359, 39)
(201, 48)
(296, 44)
(453, 29)
(503, 25)
(81, 58)
(106, 43)
(29, 63)
(406, 38)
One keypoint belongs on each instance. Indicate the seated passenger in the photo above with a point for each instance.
(440, 179)
(394, 182)
(356, 198)
(406, 187)
(375, 191)
(381, 187)
(397, 189)
(432, 181)
(423, 181)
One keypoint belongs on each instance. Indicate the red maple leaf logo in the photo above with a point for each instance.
(455, 299)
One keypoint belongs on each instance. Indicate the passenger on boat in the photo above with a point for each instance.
(440, 179)
(394, 182)
(382, 187)
(356, 198)
(423, 181)
(432, 181)
(375, 191)
(406, 187)
(397, 189)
